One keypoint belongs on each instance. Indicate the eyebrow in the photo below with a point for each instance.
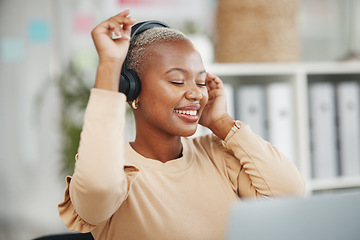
(182, 70)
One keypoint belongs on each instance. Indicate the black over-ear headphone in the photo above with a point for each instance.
(129, 80)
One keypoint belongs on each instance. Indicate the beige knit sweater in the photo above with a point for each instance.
(118, 194)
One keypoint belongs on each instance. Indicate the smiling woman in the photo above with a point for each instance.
(164, 185)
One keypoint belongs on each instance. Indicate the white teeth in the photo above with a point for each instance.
(189, 112)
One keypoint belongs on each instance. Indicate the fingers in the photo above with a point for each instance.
(118, 26)
(124, 13)
(213, 82)
(214, 94)
(214, 86)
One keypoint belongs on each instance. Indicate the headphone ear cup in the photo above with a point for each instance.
(124, 84)
(130, 84)
(134, 86)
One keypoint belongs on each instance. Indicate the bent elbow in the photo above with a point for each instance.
(295, 187)
(97, 201)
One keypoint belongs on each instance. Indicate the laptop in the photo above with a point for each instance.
(320, 217)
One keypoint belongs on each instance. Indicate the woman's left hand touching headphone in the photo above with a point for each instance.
(215, 115)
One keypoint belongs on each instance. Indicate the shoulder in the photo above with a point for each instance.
(207, 146)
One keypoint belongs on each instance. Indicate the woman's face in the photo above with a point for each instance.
(173, 91)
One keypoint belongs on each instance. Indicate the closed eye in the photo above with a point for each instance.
(201, 84)
(177, 83)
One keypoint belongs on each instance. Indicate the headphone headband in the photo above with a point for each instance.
(143, 26)
(129, 81)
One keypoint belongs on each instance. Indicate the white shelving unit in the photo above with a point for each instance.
(298, 75)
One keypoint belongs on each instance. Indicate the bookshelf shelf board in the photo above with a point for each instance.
(336, 183)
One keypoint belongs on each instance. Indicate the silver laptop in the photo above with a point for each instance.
(320, 217)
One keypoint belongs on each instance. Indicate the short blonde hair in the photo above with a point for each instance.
(139, 52)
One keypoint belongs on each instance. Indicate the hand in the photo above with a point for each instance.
(215, 115)
(113, 50)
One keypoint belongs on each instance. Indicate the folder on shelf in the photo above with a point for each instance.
(251, 108)
(348, 110)
(323, 130)
(280, 117)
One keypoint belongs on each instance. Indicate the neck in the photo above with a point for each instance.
(155, 145)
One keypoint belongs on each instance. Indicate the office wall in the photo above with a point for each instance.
(37, 40)
(30, 181)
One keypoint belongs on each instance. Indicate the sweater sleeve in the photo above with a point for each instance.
(264, 170)
(101, 180)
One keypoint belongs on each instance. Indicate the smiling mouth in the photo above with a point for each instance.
(186, 112)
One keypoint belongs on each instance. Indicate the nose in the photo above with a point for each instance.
(194, 93)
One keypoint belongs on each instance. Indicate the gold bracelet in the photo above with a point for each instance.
(237, 125)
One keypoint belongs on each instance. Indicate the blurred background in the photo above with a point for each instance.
(48, 63)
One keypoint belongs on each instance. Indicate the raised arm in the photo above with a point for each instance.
(99, 184)
(264, 170)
